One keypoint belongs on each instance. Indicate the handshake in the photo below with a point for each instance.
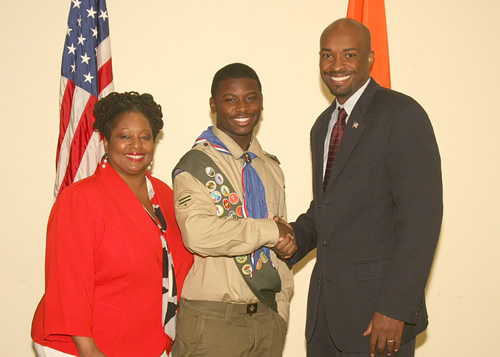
(286, 246)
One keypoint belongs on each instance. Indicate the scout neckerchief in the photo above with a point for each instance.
(169, 297)
(254, 193)
(202, 167)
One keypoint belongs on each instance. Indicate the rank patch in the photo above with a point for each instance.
(184, 199)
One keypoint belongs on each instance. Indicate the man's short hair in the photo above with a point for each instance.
(233, 70)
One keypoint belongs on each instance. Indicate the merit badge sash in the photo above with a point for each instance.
(264, 281)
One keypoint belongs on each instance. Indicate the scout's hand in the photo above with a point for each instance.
(286, 246)
(384, 331)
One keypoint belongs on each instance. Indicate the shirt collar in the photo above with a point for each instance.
(351, 102)
(234, 148)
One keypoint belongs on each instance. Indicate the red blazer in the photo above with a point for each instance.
(103, 270)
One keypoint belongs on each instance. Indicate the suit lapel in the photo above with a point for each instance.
(353, 131)
(319, 149)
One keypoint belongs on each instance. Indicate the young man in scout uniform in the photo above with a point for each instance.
(227, 189)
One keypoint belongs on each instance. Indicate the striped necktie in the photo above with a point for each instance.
(338, 130)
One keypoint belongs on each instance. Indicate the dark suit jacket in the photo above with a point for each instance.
(376, 227)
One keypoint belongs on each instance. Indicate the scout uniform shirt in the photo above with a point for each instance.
(216, 240)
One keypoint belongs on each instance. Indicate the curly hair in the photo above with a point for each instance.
(231, 71)
(107, 109)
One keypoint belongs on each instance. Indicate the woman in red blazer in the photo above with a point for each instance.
(115, 261)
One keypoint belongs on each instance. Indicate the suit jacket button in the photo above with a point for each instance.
(324, 243)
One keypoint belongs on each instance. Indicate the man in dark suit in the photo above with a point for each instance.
(376, 214)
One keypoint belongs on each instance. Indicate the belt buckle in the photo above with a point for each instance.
(251, 309)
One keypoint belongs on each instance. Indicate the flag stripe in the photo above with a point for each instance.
(105, 75)
(66, 100)
(80, 140)
(78, 103)
(94, 149)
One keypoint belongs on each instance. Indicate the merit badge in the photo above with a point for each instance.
(247, 269)
(232, 214)
(242, 259)
(233, 198)
(211, 186)
(209, 171)
(264, 258)
(224, 190)
(216, 196)
(225, 202)
(219, 179)
(239, 211)
(259, 264)
(220, 210)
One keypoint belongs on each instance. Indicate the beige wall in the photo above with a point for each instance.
(441, 53)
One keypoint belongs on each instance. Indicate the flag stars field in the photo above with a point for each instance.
(85, 58)
(81, 40)
(103, 15)
(88, 78)
(71, 49)
(91, 12)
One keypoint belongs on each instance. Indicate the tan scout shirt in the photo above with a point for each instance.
(214, 275)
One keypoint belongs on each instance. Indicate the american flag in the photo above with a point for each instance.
(86, 76)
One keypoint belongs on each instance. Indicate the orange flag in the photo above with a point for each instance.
(371, 13)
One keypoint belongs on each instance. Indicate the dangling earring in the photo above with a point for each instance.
(104, 160)
(150, 166)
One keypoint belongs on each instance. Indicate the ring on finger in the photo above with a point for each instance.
(390, 341)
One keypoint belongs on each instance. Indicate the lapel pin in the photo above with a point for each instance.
(355, 125)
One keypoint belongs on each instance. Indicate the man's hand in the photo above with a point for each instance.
(385, 332)
(286, 246)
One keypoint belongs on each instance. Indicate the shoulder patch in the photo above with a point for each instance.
(184, 199)
(272, 157)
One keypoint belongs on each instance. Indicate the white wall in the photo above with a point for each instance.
(442, 53)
